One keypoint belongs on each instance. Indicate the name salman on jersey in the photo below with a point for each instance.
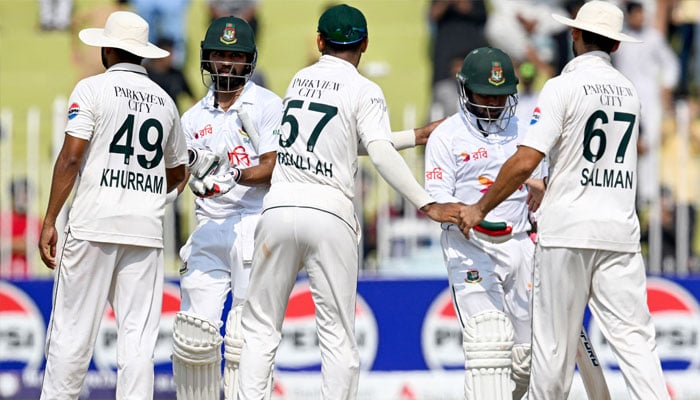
(139, 101)
(610, 95)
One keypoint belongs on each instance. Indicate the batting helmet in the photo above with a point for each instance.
(228, 34)
(488, 71)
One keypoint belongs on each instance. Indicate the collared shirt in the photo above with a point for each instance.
(134, 132)
(222, 132)
(587, 123)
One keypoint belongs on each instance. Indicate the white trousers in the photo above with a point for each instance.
(487, 276)
(90, 275)
(613, 285)
(218, 257)
(287, 239)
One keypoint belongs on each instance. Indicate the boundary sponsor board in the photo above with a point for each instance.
(408, 337)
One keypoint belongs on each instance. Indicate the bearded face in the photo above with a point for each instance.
(227, 70)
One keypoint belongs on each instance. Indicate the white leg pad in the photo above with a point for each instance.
(488, 343)
(196, 358)
(521, 370)
(233, 345)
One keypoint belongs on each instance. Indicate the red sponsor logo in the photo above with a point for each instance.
(206, 131)
(299, 348)
(22, 330)
(441, 338)
(535, 116)
(73, 110)
(676, 316)
(434, 174)
(239, 156)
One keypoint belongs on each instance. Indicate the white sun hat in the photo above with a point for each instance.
(599, 17)
(123, 30)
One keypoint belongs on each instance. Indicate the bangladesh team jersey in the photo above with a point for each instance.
(222, 132)
(134, 132)
(587, 122)
(461, 164)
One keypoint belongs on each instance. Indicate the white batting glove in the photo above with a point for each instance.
(202, 162)
(215, 185)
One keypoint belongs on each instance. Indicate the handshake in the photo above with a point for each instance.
(206, 183)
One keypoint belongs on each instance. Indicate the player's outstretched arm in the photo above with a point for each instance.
(392, 167)
(65, 171)
(407, 139)
(512, 174)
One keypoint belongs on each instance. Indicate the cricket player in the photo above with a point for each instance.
(125, 149)
(490, 274)
(588, 252)
(232, 140)
(308, 217)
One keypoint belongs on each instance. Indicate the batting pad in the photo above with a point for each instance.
(196, 358)
(488, 343)
(233, 345)
(521, 370)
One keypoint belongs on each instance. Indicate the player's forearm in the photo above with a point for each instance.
(516, 170)
(64, 175)
(261, 174)
(392, 167)
(175, 177)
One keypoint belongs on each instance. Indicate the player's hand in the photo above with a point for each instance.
(469, 217)
(443, 212)
(535, 193)
(422, 134)
(215, 185)
(202, 162)
(47, 245)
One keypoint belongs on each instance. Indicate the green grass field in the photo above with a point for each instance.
(37, 66)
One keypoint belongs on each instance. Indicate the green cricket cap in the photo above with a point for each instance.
(342, 24)
(488, 71)
(229, 34)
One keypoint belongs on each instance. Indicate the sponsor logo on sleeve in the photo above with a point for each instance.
(73, 110)
(535, 116)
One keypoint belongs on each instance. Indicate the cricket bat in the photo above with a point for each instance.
(590, 369)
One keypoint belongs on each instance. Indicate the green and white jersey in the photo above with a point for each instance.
(222, 132)
(134, 131)
(587, 122)
(328, 109)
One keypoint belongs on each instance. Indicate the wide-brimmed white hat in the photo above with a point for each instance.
(599, 17)
(123, 30)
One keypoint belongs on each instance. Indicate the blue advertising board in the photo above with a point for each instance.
(402, 325)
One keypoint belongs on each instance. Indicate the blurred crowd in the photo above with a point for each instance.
(665, 68)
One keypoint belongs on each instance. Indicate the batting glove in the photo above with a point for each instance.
(202, 162)
(215, 185)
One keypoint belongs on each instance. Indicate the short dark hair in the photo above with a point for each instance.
(633, 6)
(601, 42)
(340, 48)
(128, 57)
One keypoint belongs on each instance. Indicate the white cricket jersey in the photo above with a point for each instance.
(461, 164)
(223, 132)
(134, 131)
(587, 122)
(329, 109)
